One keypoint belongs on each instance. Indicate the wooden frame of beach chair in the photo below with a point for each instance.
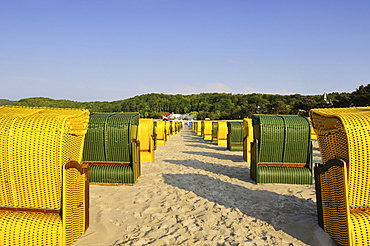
(44, 190)
(112, 148)
(235, 135)
(247, 139)
(146, 139)
(342, 182)
(281, 150)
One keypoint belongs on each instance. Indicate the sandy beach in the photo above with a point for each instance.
(198, 193)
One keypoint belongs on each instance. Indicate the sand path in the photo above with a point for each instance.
(198, 193)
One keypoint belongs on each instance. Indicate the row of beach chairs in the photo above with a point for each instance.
(50, 156)
(280, 151)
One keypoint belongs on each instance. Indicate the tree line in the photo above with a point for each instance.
(210, 105)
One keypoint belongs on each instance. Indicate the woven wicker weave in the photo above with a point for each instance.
(115, 136)
(282, 149)
(146, 139)
(39, 193)
(344, 134)
(235, 135)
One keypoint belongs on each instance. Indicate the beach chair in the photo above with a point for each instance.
(44, 193)
(207, 130)
(235, 135)
(202, 129)
(155, 134)
(198, 128)
(168, 130)
(214, 131)
(160, 131)
(222, 133)
(247, 139)
(146, 139)
(342, 181)
(112, 149)
(281, 150)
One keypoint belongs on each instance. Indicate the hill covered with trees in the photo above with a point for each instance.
(210, 105)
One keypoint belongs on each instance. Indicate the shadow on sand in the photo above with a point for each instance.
(221, 156)
(293, 215)
(241, 173)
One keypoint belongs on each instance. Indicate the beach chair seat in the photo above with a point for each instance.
(282, 150)
(342, 181)
(235, 135)
(112, 149)
(44, 193)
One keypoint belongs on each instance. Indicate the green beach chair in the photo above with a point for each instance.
(112, 148)
(235, 135)
(281, 150)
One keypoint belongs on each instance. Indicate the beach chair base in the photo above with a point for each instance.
(111, 174)
(281, 175)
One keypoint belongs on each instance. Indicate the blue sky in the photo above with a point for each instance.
(115, 49)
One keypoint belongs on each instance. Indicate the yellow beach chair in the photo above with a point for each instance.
(247, 139)
(146, 139)
(222, 131)
(342, 182)
(207, 130)
(44, 192)
(160, 131)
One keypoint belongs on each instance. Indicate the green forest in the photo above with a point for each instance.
(210, 105)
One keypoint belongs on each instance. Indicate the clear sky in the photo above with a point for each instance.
(106, 50)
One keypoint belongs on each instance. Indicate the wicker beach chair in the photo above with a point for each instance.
(235, 135)
(146, 139)
(160, 131)
(247, 139)
(342, 182)
(214, 131)
(168, 130)
(198, 128)
(44, 193)
(112, 148)
(222, 133)
(207, 130)
(281, 150)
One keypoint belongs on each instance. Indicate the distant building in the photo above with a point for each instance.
(177, 117)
